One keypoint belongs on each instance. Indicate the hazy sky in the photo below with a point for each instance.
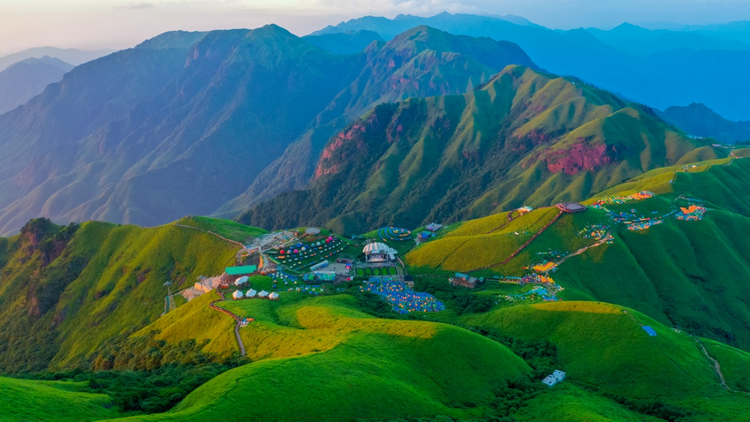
(118, 24)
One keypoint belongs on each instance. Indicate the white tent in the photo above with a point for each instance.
(241, 280)
(237, 294)
(274, 296)
(263, 293)
(251, 293)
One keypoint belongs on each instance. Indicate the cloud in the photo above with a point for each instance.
(137, 5)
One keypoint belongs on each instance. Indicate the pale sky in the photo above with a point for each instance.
(116, 24)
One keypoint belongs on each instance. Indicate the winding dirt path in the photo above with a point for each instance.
(213, 306)
(604, 240)
(510, 218)
(210, 232)
(716, 367)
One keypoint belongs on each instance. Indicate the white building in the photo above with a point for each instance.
(273, 296)
(237, 294)
(263, 294)
(251, 293)
(241, 280)
(554, 378)
(379, 252)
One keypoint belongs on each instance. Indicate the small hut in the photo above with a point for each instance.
(237, 295)
(263, 294)
(242, 280)
(251, 293)
(273, 296)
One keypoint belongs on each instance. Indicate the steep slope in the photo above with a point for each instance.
(66, 291)
(699, 120)
(660, 79)
(185, 122)
(417, 63)
(349, 42)
(26, 79)
(525, 137)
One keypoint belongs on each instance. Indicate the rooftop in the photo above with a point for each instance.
(245, 269)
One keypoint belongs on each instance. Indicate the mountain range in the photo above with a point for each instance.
(72, 56)
(650, 67)
(524, 138)
(187, 122)
(26, 79)
(699, 120)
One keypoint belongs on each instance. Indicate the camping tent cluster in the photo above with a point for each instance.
(544, 266)
(402, 298)
(394, 234)
(594, 231)
(304, 254)
(691, 213)
(252, 294)
(310, 290)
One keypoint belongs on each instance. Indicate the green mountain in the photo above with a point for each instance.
(186, 122)
(699, 120)
(523, 138)
(26, 79)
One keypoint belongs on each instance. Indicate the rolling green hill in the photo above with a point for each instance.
(25, 400)
(523, 138)
(603, 346)
(324, 346)
(66, 291)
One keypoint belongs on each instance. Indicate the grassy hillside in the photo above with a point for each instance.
(604, 346)
(389, 369)
(734, 364)
(688, 274)
(25, 400)
(195, 320)
(523, 138)
(225, 228)
(66, 291)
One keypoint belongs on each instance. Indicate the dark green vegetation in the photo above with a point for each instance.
(699, 120)
(195, 123)
(652, 67)
(523, 138)
(26, 79)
